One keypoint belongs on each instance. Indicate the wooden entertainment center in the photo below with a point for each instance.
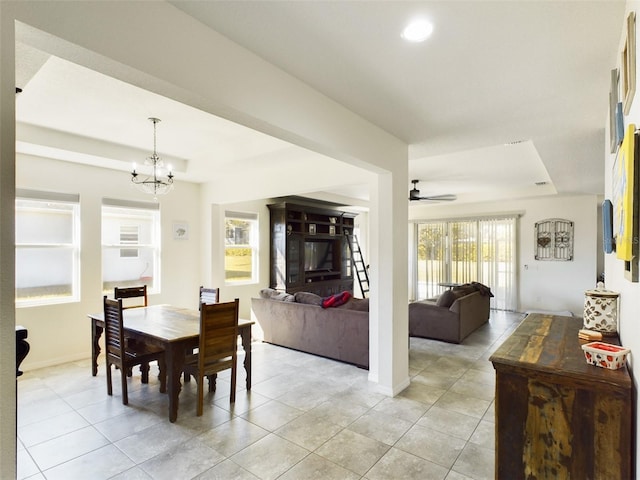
(310, 249)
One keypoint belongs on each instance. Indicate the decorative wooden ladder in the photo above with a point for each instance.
(359, 265)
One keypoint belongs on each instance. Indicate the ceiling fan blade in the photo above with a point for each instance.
(414, 194)
(448, 197)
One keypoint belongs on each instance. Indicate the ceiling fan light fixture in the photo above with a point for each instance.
(417, 31)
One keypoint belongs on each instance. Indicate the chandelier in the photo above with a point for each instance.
(157, 183)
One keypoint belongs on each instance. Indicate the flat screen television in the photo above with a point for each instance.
(318, 256)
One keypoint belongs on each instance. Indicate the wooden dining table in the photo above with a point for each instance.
(174, 329)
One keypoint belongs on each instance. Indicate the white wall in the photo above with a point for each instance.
(543, 285)
(60, 333)
(629, 300)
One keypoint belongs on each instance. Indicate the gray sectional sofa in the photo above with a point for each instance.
(451, 322)
(340, 333)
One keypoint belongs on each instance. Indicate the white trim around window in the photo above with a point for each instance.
(241, 248)
(47, 237)
(131, 248)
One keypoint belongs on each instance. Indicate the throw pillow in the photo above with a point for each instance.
(271, 294)
(285, 297)
(336, 300)
(308, 298)
(267, 292)
(446, 299)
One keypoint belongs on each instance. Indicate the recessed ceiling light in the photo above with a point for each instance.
(417, 31)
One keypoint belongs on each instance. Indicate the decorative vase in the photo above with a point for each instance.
(601, 310)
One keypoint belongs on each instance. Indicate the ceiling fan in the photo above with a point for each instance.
(414, 194)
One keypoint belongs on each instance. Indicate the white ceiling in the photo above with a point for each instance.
(493, 73)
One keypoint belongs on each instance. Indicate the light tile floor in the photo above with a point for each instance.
(306, 417)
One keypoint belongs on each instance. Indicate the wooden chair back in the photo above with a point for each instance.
(132, 292)
(217, 347)
(113, 330)
(218, 335)
(126, 355)
(208, 295)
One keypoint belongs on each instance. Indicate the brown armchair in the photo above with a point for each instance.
(449, 321)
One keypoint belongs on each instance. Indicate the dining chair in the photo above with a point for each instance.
(125, 355)
(208, 295)
(217, 348)
(131, 292)
(127, 293)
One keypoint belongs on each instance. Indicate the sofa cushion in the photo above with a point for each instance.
(308, 298)
(357, 304)
(272, 294)
(336, 300)
(446, 299)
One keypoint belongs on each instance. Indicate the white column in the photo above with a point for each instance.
(388, 317)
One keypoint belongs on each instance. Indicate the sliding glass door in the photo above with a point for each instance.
(432, 264)
(462, 251)
(498, 242)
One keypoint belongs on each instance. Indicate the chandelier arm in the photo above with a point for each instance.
(154, 184)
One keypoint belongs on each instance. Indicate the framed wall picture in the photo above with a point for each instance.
(613, 103)
(180, 231)
(619, 124)
(628, 63)
(625, 203)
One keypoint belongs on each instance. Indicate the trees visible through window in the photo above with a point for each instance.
(47, 248)
(130, 245)
(241, 247)
(462, 251)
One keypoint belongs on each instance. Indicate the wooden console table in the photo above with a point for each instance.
(556, 415)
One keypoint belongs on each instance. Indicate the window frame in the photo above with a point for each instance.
(254, 245)
(47, 201)
(136, 210)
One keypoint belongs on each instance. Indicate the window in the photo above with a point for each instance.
(241, 248)
(130, 245)
(47, 248)
(129, 235)
(462, 251)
